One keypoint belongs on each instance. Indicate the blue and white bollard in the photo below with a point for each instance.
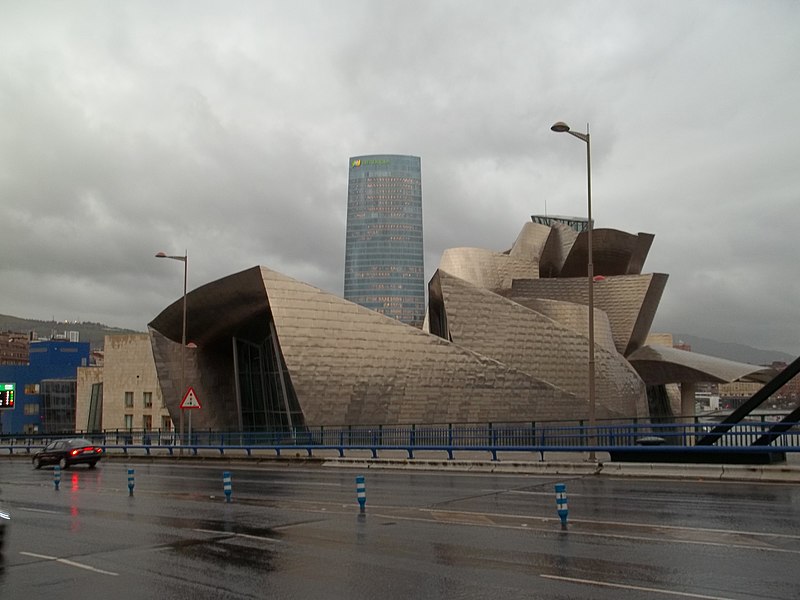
(130, 482)
(56, 476)
(561, 503)
(361, 493)
(227, 486)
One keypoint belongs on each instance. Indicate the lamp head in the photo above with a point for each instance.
(161, 255)
(560, 127)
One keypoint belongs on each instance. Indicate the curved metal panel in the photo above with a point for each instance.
(556, 249)
(575, 317)
(614, 252)
(662, 364)
(530, 242)
(487, 269)
(529, 341)
(630, 301)
(352, 365)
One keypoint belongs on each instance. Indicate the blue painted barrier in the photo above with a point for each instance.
(361, 493)
(227, 485)
(562, 508)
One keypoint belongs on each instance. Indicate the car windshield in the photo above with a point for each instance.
(79, 442)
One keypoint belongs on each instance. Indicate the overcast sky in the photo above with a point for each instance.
(224, 129)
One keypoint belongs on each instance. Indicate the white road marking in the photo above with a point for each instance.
(634, 525)
(634, 588)
(38, 510)
(71, 563)
(241, 535)
(601, 534)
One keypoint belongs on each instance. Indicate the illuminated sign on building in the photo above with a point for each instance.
(6, 395)
(364, 162)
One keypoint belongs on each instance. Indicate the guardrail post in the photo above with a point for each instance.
(227, 486)
(130, 482)
(361, 493)
(56, 476)
(561, 503)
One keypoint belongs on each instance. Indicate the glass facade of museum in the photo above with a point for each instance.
(577, 223)
(384, 260)
(266, 396)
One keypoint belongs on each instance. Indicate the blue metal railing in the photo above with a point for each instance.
(485, 437)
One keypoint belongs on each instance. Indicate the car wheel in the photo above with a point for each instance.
(63, 464)
(37, 463)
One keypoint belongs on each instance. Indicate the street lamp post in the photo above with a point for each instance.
(185, 260)
(561, 127)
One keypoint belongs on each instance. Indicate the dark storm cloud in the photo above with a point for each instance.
(225, 130)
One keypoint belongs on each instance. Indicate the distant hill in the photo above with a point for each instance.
(94, 333)
(737, 352)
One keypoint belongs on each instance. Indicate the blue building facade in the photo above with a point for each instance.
(45, 388)
(384, 266)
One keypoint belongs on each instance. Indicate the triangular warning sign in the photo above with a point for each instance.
(190, 400)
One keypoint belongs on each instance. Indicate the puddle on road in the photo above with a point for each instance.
(226, 552)
(228, 549)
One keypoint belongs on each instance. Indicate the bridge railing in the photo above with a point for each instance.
(517, 437)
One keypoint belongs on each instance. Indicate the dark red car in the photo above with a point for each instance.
(68, 452)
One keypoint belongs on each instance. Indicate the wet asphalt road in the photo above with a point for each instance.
(295, 532)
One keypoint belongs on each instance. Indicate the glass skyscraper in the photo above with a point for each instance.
(384, 266)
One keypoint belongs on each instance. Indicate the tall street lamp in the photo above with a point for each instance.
(185, 260)
(561, 127)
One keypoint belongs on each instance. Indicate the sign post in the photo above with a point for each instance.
(190, 402)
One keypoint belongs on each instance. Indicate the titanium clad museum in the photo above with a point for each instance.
(384, 261)
(505, 340)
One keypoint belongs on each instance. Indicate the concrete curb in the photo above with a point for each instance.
(662, 470)
(529, 468)
(766, 474)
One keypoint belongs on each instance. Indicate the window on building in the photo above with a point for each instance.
(128, 421)
(128, 399)
(31, 409)
(147, 422)
(166, 424)
(148, 399)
